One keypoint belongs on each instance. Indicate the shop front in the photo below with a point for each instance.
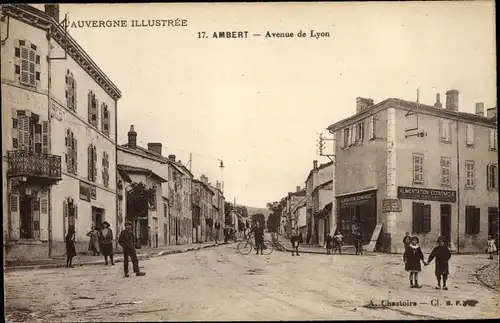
(357, 210)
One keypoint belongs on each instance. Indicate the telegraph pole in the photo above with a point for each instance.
(190, 161)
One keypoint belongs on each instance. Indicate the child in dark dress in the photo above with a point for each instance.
(412, 257)
(329, 243)
(70, 247)
(442, 255)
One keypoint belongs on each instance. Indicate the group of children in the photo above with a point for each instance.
(413, 256)
(334, 243)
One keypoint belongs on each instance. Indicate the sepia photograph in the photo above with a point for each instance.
(249, 161)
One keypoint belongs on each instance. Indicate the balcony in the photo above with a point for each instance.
(34, 166)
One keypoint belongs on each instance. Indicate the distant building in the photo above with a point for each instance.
(202, 196)
(293, 199)
(322, 205)
(63, 133)
(417, 168)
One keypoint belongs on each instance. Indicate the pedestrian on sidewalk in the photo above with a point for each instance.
(406, 240)
(226, 234)
(107, 243)
(70, 247)
(329, 243)
(442, 254)
(94, 240)
(127, 241)
(295, 241)
(491, 248)
(338, 242)
(412, 257)
(258, 232)
(217, 230)
(358, 236)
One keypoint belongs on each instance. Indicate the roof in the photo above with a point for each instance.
(325, 210)
(418, 107)
(124, 175)
(205, 185)
(139, 170)
(322, 185)
(318, 168)
(300, 192)
(299, 205)
(39, 19)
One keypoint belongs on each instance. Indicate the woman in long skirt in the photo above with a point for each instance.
(70, 247)
(94, 241)
(106, 238)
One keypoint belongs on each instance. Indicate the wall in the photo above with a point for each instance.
(433, 149)
(302, 217)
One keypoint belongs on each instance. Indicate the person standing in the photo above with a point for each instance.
(217, 231)
(295, 241)
(442, 255)
(412, 257)
(406, 240)
(492, 248)
(358, 236)
(329, 243)
(94, 240)
(127, 242)
(258, 232)
(70, 247)
(106, 237)
(338, 242)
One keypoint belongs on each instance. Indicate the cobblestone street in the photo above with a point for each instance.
(220, 284)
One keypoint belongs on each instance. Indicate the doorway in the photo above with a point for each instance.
(97, 217)
(446, 222)
(143, 234)
(27, 227)
(493, 223)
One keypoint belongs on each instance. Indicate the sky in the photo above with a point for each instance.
(259, 103)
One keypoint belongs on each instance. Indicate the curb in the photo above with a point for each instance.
(478, 277)
(141, 256)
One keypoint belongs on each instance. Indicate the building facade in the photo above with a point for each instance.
(202, 208)
(322, 198)
(293, 199)
(59, 126)
(411, 167)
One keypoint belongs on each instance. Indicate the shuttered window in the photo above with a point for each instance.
(44, 216)
(347, 139)
(445, 171)
(71, 154)
(26, 62)
(92, 163)
(71, 92)
(445, 131)
(493, 139)
(469, 135)
(14, 216)
(421, 218)
(93, 107)
(359, 132)
(472, 220)
(492, 176)
(105, 169)
(418, 168)
(105, 119)
(372, 128)
(70, 214)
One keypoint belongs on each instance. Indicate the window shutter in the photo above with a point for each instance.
(469, 134)
(350, 138)
(426, 213)
(24, 77)
(75, 156)
(89, 160)
(32, 71)
(371, 127)
(75, 209)
(495, 139)
(488, 177)
(468, 219)
(477, 221)
(14, 216)
(341, 138)
(45, 137)
(75, 95)
(38, 138)
(89, 104)
(96, 112)
(442, 130)
(44, 216)
(102, 117)
(492, 138)
(448, 127)
(415, 218)
(94, 164)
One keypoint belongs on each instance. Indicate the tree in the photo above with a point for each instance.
(228, 208)
(272, 224)
(276, 209)
(140, 200)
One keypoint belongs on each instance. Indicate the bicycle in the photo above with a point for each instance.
(246, 246)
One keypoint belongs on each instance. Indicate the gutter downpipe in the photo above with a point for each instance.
(116, 175)
(49, 124)
(458, 191)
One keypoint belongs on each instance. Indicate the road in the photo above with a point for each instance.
(220, 284)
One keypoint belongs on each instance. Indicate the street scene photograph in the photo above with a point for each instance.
(249, 161)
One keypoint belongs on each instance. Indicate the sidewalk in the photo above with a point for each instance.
(87, 260)
(315, 249)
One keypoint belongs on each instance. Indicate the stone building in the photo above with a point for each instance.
(59, 117)
(202, 196)
(412, 167)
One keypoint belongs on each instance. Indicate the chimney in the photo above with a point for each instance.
(480, 109)
(179, 161)
(438, 103)
(491, 113)
(132, 138)
(171, 158)
(315, 164)
(53, 11)
(155, 147)
(217, 185)
(362, 104)
(298, 188)
(452, 100)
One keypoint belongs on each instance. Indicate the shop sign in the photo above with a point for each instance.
(84, 191)
(391, 205)
(356, 200)
(412, 193)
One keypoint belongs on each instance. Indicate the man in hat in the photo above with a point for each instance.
(127, 241)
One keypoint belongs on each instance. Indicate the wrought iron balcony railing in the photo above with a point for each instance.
(29, 164)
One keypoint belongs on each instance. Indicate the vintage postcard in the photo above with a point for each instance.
(249, 161)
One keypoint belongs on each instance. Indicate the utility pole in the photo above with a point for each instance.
(190, 160)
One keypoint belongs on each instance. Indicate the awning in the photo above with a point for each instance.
(325, 211)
